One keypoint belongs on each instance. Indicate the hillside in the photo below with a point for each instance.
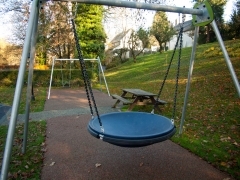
(212, 127)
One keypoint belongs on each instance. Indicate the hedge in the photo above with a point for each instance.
(42, 77)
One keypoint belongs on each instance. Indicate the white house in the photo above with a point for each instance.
(121, 41)
(187, 41)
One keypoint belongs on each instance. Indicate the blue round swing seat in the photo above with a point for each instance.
(132, 129)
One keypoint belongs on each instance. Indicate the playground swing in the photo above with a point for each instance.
(67, 76)
(129, 129)
(202, 15)
(100, 73)
(67, 82)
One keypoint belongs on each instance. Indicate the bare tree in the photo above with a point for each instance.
(12, 5)
(55, 32)
(19, 12)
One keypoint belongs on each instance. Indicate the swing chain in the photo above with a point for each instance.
(178, 68)
(167, 72)
(87, 83)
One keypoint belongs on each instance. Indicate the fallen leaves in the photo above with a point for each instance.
(52, 163)
(223, 164)
(236, 144)
(97, 165)
(28, 165)
(225, 139)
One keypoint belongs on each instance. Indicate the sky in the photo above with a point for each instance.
(173, 16)
(5, 24)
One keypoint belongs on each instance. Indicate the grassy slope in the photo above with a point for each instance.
(212, 128)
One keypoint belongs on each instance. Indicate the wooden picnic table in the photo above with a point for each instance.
(135, 97)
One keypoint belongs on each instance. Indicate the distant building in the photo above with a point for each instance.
(121, 41)
(187, 41)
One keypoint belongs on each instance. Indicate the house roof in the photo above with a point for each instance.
(119, 36)
(113, 44)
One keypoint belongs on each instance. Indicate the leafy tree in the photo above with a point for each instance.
(137, 42)
(19, 12)
(9, 53)
(143, 36)
(55, 32)
(161, 29)
(90, 30)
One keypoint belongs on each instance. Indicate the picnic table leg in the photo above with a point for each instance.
(118, 101)
(154, 102)
(131, 106)
(123, 94)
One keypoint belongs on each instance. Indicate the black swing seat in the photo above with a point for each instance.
(132, 129)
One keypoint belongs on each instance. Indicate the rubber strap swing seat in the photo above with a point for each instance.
(128, 129)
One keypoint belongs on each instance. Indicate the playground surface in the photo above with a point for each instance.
(73, 154)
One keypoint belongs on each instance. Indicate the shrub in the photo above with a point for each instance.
(42, 77)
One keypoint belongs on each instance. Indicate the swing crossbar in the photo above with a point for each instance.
(139, 5)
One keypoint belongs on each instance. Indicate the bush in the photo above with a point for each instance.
(6, 82)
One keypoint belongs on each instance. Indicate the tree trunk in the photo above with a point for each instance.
(134, 56)
(161, 47)
(208, 34)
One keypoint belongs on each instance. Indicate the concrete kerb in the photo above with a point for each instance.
(45, 115)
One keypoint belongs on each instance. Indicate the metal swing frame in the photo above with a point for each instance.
(201, 15)
(100, 71)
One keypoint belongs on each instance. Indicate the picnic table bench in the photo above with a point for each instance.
(137, 97)
(120, 98)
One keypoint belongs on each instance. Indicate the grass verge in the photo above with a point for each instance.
(28, 165)
(7, 95)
